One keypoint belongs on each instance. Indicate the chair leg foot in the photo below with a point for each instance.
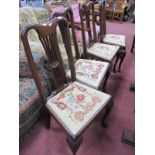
(74, 143)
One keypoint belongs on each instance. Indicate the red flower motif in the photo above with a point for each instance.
(80, 97)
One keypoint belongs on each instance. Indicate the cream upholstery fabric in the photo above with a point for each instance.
(104, 51)
(41, 15)
(76, 106)
(115, 39)
(89, 72)
(27, 16)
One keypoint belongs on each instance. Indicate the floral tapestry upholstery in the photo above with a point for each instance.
(41, 15)
(24, 67)
(104, 51)
(76, 106)
(28, 98)
(90, 72)
(25, 70)
(115, 39)
(29, 102)
(27, 16)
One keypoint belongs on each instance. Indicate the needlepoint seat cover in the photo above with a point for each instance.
(90, 72)
(76, 106)
(104, 51)
(115, 39)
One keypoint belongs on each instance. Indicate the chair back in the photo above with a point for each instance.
(48, 38)
(68, 14)
(100, 19)
(87, 18)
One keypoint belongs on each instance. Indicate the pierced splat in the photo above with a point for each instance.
(47, 36)
(55, 64)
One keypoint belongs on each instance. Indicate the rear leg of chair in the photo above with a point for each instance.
(117, 58)
(122, 56)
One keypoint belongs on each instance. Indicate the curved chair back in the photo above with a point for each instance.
(48, 38)
(68, 14)
(87, 20)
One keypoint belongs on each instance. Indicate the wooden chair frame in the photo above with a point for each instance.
(47, 36)
(102, 15)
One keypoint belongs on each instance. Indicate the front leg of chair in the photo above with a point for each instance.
(122, 56)
(47, 119)
(106, 78)
(117, 58)
(74, 143)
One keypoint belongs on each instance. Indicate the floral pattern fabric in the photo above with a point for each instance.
(115, 39)
(24, 67)
(104, 51)
(29, 100)
(27, 16)
(90, 72)
(76, 106)
(41, 15)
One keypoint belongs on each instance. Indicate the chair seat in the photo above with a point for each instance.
(115, 39)
(76, 106)
(90, 72)
(104, 51)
